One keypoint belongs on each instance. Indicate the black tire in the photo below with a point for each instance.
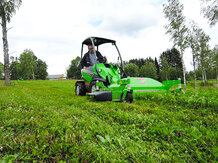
(80, 89)
(121, 97)
(128, 99)
(93, 84)
(174, 91)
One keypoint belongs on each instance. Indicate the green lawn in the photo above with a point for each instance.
(45, 121)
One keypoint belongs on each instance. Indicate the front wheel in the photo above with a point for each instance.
(80, 89)
(128, 99)
(93, 87)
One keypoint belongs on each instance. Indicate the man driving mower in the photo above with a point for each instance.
(90, 59)
(108, 82)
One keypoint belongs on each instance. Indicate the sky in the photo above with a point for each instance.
(54, 29)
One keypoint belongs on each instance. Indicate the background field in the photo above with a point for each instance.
(44, 120)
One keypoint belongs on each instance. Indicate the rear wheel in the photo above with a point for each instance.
(80, 89)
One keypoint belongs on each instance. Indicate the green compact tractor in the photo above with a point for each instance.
(108, 82)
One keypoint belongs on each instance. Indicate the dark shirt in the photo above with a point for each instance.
(86, 59)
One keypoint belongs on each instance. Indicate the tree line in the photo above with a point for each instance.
(168, 66)
(191, 36)
(182, 36)
(27, 67)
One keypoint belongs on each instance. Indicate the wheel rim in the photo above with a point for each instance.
(77, 90)
(93, 88)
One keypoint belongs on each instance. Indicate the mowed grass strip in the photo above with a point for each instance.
(44, 120)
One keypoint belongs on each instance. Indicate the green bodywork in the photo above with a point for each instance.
(111, 72)
(121, 86)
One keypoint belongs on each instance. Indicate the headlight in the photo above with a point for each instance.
(99, 70)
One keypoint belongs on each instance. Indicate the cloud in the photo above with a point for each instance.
(126, 17)
(128, 23)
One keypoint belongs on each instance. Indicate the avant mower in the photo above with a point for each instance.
(108, 82)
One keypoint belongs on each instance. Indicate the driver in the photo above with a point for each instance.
(90, 59)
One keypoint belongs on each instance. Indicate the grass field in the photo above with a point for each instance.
(45, 121)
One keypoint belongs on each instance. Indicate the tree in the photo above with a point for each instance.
(74, 69)
(7, 9)
(148, 70)
(215, 60)
(15, 70)
(149, 59)
(174, 60)
(164, 69)
(138, 62)
(203, 56)
(157, 68)
(125, 63)
(141, 61)
(41, 70)
(28, 64)
(212, 66)
(131, 70)
(1, 71)
(176, 28)
(210, 10)
(194, 45)
(173, 73)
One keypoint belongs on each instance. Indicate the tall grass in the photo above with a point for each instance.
(45, 121)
